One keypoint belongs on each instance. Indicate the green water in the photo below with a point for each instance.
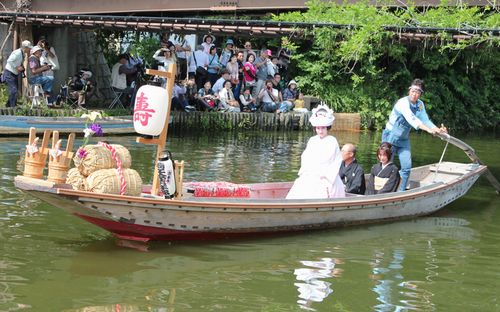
(52, 261)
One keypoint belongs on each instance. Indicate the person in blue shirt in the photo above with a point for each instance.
(408, 112)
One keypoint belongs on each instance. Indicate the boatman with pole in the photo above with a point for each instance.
(408, 112)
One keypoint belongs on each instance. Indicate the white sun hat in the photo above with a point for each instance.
(322, 116)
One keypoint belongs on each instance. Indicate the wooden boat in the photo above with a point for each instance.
(264, 209)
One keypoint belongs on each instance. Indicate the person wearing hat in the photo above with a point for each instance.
(408, 112)
(79, 86)
(208, 42)
(36, 70)
(13, 67)
(320, 161)
(226, 54)
(290, 94)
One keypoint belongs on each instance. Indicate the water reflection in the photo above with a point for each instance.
(312, 288)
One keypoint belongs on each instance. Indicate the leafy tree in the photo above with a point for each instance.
(366, 65)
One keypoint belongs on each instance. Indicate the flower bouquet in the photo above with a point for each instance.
(91, 129)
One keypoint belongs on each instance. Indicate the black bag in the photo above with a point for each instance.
(201, 71)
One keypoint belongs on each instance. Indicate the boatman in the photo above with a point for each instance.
(351, 173)
(408, 112)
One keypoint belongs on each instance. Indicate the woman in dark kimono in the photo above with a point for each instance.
(384, 177)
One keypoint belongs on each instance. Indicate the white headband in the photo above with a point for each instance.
(417, 88)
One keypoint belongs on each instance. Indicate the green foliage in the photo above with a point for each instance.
(113, 43)
(366, 68)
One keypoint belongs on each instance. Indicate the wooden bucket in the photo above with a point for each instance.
(33, 168)
(57, 172)
(34, 162)
(59, 163)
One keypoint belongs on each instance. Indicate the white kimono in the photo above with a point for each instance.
(319, 171)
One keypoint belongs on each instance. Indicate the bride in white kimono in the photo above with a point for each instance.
(320, 162)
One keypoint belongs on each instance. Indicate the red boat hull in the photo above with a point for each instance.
(143, 233)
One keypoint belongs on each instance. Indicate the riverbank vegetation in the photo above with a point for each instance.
(367, 66)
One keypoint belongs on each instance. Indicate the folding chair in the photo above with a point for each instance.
(117, 102)
(37, 95)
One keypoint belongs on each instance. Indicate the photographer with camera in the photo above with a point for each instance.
(119, 74)
(13, 68)
(36, 70)
(48, 57)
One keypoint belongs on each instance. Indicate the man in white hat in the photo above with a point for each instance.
(36, 70)
(320, 162)
(13, 67)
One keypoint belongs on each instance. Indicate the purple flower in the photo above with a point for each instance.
(81, 153)
(97, 129)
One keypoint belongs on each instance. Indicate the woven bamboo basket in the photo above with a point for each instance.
(99, 157)
(107, 181)
(76, 180)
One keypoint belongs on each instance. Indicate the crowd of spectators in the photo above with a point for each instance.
(229, 79)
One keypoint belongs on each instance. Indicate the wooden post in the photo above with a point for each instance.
(162, 139)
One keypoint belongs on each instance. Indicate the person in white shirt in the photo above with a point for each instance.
(119, 75)
(13, 67)
(227, 101)
(48, 57)
(219, 84)
(199, 59)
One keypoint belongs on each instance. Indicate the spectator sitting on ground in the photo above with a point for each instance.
(351, 173)
(272, 100)
(191, 92)
(290, 94)
(35, 73)
(278, 82)
(206, 98)
(179, 100)
(227, 101)
(219, 84)
(384, 176)
(300, 104)
(247, 101)
(119, 74)
(80, 85)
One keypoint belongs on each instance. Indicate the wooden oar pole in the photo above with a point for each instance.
(162, 138)
(471, 153)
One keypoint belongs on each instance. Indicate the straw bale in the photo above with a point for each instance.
(106, 181)
(76, 180)
(99, 157)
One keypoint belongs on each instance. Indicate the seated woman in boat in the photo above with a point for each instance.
(384, 177)
(320, 161)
